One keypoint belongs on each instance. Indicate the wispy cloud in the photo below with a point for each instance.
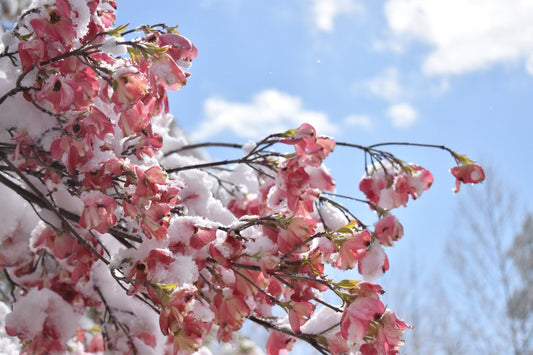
(465, 35)
(360, 121)
(386, 85)
(269, 111)
(326, 12)
(402, 115)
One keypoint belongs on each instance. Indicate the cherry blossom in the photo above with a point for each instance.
(467, 174)
(133, 244)
(389, 185)
(388, 229)
(98, 212)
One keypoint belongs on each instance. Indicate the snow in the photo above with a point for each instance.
(371, 265)
(17, 112)
(182, 271)
(17, 220)
(137, 316)
(31, 312)
(261, 245)
(332, 216)
(198, 198)
(321, 320)
(203, 351)
(202, 312)
(111, 45)
(249, 147)
(8, 345)
(82, 17)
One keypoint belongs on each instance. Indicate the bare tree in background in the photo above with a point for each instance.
(10, 9)
(487, 276)
(432, 333)
(480, 301)
(520, 303)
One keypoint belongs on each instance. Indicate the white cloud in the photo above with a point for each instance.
(402, 115)
(466, 35)
(362, 121)
(270, 111)
(386, 85)
(529, 65)
(325, 12)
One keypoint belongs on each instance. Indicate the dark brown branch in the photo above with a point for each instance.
(34, 199)
(203, 145)
(309, 338)
(52, 208)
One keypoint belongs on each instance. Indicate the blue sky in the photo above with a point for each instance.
(452, 72)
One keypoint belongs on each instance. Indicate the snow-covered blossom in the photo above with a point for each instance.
(116, 239)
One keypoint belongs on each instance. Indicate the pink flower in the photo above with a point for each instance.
(129, 88)
(387, 339)
(389, 186)
(178, 320)
(278, 343)
(97, 344)
(202, 236)
(171, 316)
(57, 24)
(299, 313)
(97, 179)
(133, 119)
(59, 92)
(230, 249)
(297, 231)
(320, 178)
(51, 322)
(95, 124)
(82, 261)
(229, 314)
(419, 180)
(98, 212)
(242, 207)
(293, 180)
(337, 344)
(166, 69)
(352, 248)
(373, 184)
(180, 48)
(148, 181)
(143, 271)
(357, 316)
(388, 229)
(74, 153)
(155, 221)
(32, 53)
(60, 243)
(467, 174)
(309, 148)
(392, 329)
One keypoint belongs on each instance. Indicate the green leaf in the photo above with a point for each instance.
(26, 37)
(134, 53)
(348, 228)
(117, 31)
(347, 284)
(94, 329)
(168, 287)
(463, 159)
(153, 49)
(172, 29)
(289, 133)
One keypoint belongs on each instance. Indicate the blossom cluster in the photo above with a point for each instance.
(133, 246)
